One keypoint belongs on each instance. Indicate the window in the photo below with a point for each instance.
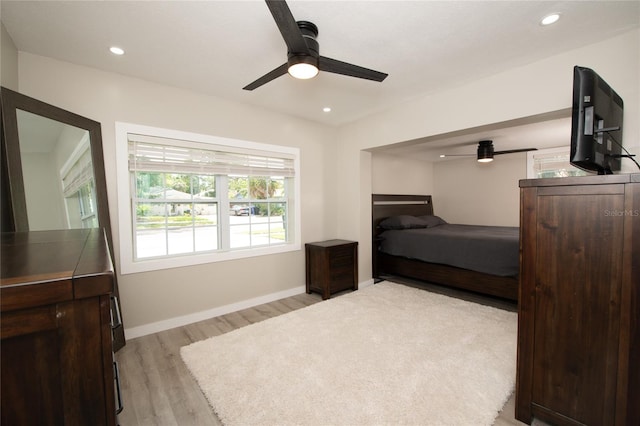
(175, 213)
(78, 187)
(258, 209)
(549, 163)
(197, 198)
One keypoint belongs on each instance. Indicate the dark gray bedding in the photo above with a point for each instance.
(488, 249)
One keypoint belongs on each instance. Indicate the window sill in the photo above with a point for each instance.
(131, 267)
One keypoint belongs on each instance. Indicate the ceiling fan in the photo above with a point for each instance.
(304, 60)
(486, 152)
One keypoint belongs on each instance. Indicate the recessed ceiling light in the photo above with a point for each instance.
(326, 109)
(550, 19)
(116, 50)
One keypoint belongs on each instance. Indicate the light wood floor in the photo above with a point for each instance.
(157, 388)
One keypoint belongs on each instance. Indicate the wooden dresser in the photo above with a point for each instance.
(57, 360)
(579, 310)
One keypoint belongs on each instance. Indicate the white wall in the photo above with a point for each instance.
(480, 193)
(8, 60)
(106, 97)
(537, 88)
(45, 203)
(400, 175)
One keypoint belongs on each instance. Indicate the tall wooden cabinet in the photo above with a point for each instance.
(579, 301)
(57, 362)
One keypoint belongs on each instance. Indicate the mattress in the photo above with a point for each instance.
(489, 249)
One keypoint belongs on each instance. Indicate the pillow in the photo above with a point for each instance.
(403, 222)
(432, 221)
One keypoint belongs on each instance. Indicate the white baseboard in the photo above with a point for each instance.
(155, 327)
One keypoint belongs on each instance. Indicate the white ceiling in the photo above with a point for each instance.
(218, 47)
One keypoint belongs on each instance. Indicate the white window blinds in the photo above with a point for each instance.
(155, 154)
(79, 174)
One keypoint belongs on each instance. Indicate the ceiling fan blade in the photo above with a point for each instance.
(513, 151)
(272, 75)
(288, 27)
(339, 67)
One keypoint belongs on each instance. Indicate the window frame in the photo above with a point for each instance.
(126, 213)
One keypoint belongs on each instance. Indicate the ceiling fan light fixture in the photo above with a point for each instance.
(303, 51)
(485, 151)
(303, 67)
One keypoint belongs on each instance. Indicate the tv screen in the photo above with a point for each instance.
(596, 123)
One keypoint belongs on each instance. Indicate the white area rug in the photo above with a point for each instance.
(384, 355)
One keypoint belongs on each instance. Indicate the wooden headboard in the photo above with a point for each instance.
(384, 205)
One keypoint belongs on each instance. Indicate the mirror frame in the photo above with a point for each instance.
(13, 101)
(14, 208)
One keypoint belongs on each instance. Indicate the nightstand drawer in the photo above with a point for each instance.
(342, 257)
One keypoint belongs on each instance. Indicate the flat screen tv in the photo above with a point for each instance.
(596, 123)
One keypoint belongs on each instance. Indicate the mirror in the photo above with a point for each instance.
(54, 168)
(52, 171)
(57, 171)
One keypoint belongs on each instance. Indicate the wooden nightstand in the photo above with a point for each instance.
(332, 266)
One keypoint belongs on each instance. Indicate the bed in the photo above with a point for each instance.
(409, 241)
